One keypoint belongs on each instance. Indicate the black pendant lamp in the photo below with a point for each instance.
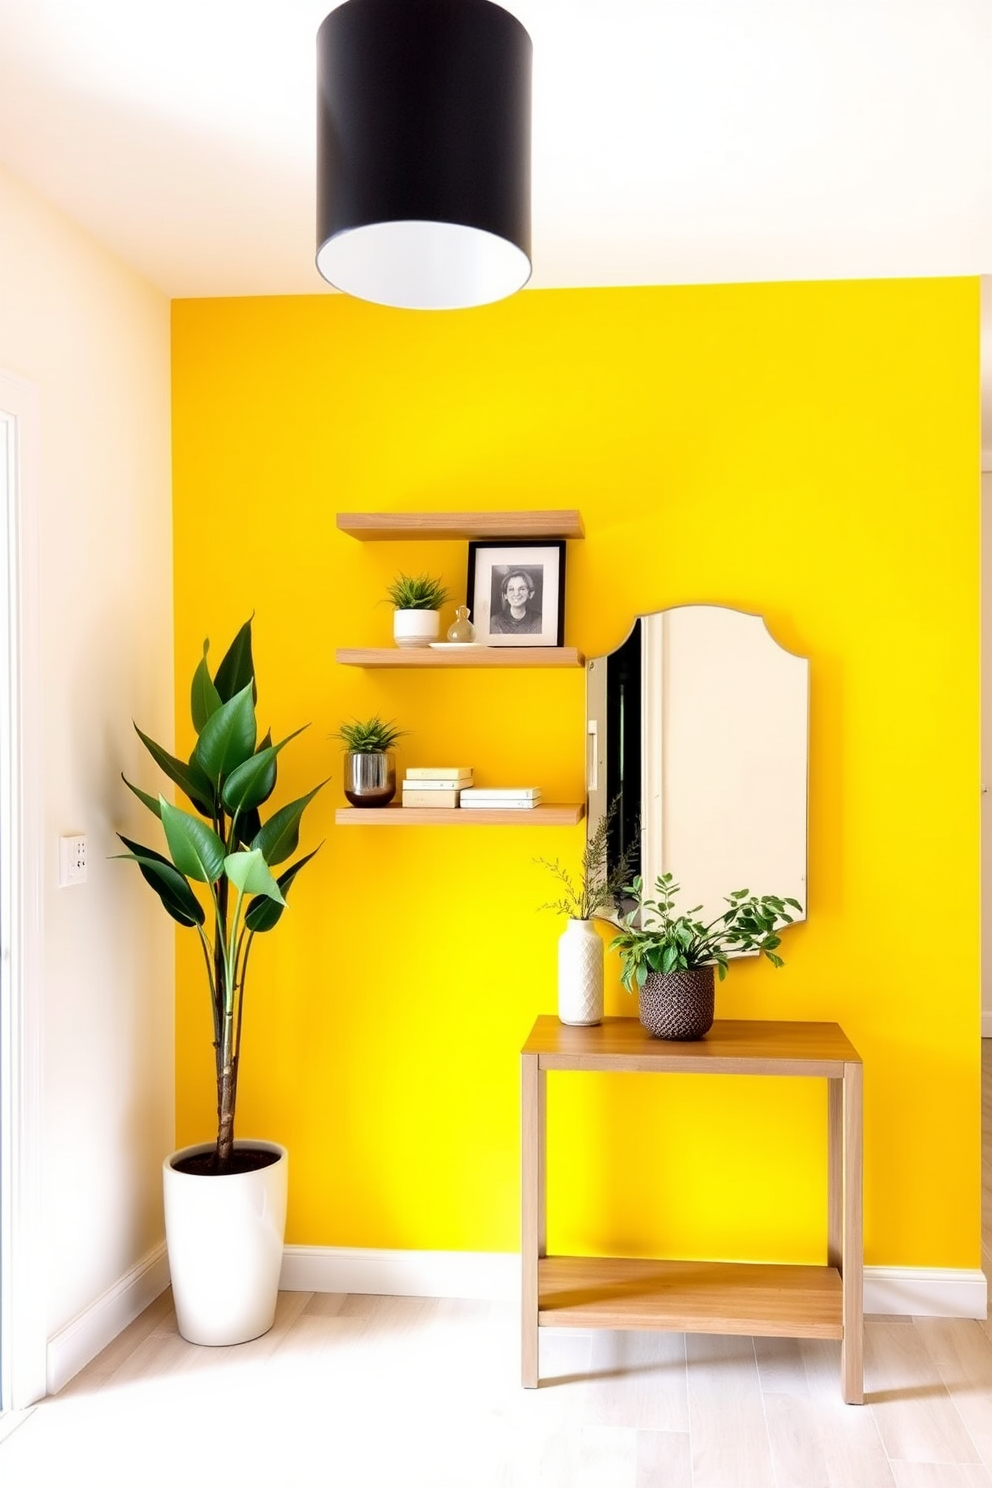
(423, 152)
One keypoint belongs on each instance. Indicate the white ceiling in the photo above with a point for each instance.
(675, 141)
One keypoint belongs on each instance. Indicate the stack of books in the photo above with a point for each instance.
(435, 785)
(513, 797)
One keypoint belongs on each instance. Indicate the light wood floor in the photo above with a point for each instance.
(396, 1392)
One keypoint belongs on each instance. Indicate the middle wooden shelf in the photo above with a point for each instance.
(563, 814)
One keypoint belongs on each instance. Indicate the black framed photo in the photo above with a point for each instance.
(516, 592)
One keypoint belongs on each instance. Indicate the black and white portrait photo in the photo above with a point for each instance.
(516, 592)
(515, 601)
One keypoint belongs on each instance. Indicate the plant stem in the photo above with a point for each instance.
(226, 1092)
(241, 998)
(219, 984)
(228, 1087)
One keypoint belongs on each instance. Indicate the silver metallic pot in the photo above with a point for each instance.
(370, 779)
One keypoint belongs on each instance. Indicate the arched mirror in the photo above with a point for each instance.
(698, 727)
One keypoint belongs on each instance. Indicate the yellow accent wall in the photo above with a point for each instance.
(808, 452)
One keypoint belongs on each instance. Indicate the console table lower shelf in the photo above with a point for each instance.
(772, 1301)
(690, 1297)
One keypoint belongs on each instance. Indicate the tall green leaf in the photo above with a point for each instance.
(250, 784)
(196, 849)
(249, 873)
(264, 913)
(150, 801)
(248, 822)
(254, 781)
(204, 699)
(237, 669)
(190, 780)
(280, 835)
(246, 829)
(175, 893)
(228, 737)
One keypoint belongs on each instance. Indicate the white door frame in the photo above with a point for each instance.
(22, 1311)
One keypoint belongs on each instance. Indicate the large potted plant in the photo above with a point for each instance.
(670, 958)
(417, 600)
(225, 1200)
(594, 890)
(370, 764)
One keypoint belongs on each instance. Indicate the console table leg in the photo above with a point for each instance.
(835, 1174)
(533, 1208)
(852, 1346)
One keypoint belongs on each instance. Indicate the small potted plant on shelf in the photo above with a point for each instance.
(594, 890)
(418, 600)
(225, 1201)
(370, 765)
(669, 958)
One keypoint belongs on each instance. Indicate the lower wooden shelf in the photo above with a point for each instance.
(561, 815)
(770, 1301)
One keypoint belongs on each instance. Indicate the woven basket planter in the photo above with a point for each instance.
(678, 1004)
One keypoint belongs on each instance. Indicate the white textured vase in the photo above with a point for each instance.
(224, 1234)
(416, 627)
(580, 974)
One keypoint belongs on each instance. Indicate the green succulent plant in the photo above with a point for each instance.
(654, 938)
(226, 850)
(420, 593)
(371, 736)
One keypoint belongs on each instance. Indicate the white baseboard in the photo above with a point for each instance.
(495, 1276)
(922, 1292)
(484, 1275)
(487, 1275)
(81, 1340)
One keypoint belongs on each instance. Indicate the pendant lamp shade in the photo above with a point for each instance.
(423, 152)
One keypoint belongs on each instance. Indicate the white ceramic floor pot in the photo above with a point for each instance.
(416, 627)
(580, 974)
(370, 779)
(224, 1234)
(678, 1005)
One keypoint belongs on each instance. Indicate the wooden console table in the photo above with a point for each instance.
(700, 1296)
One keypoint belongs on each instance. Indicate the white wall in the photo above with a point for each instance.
(94, 337)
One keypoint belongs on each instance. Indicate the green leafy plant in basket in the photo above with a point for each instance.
(226, 849)
(654, 938)
(417, 593)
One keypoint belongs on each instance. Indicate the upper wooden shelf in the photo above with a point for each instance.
(388, 526)
(485, 656)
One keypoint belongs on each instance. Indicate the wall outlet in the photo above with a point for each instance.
(72, 860)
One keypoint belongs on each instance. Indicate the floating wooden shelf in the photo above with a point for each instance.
(486, 656)
(564, 815)
(389, 526)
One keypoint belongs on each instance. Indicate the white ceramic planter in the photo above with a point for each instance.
(580, 974)
(416, 627)
(225, 1237)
